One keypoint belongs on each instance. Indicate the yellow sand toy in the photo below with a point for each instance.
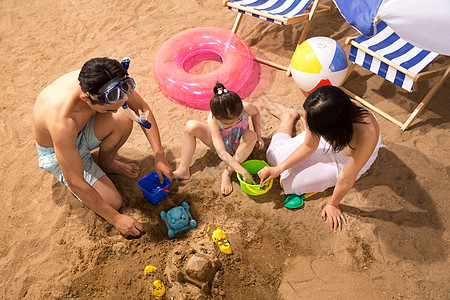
(159, 289)
(149, 269)
(219, 237)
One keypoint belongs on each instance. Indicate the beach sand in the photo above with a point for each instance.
(52, 247)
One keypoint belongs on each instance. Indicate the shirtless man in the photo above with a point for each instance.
(81, 111)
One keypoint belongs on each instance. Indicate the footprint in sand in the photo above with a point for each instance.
(308, 277)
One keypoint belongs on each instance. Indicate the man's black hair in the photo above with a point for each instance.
(96, 72)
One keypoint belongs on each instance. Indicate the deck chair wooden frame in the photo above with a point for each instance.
(442, 75)
(313, 10)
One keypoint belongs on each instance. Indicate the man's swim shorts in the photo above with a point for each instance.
(86, 142)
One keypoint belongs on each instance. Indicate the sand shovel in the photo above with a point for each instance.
(296, 201)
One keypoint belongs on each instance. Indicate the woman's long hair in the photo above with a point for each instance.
(330, 113)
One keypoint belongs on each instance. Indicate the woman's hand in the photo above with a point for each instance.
(268, 173)
(335, 217)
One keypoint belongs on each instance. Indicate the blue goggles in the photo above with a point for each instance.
(115, 89)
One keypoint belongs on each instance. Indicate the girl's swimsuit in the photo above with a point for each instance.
(233, 134)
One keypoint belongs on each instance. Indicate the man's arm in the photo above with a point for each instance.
(136, 103)
(64, 139)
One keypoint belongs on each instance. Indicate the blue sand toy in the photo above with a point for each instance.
(178, 219)
(152, 189)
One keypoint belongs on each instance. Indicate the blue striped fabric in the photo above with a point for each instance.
(389, 45)
(281, 8)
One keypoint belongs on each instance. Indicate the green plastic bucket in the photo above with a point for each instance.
(253, 167)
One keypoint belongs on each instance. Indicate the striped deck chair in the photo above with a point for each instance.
(282, 12)
(396, 60)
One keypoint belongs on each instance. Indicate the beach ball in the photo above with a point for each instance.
(318, 61)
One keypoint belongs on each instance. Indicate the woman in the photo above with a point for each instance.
(340, 142)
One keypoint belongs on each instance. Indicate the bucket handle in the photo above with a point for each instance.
(256, 191)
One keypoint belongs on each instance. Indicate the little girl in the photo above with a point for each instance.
(226, 131)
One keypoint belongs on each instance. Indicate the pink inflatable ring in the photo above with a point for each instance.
(176, 57)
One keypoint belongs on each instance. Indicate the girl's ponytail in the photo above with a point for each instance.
(225, 104)
(219, 89)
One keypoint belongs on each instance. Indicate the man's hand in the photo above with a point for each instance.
(162, 167)
(128, 225)
(335, 217)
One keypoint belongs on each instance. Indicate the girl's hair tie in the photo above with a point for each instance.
(221, 90)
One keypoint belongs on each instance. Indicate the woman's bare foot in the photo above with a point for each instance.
(130, 170)
(181, 174)
(281, 112)
(226, 187)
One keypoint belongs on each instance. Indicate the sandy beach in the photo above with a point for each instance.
(395, 246)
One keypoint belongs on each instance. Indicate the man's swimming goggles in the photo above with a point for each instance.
(115, 89)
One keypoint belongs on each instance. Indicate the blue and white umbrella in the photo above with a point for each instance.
(423, 23)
